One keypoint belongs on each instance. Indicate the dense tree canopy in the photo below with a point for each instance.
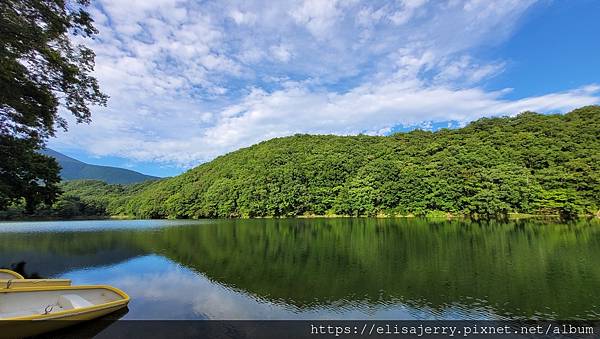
(41, 69)
(26, 174)
(531, 163)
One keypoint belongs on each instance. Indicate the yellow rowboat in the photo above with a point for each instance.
(12, 279)
(25, 283)
(37, 308)
(8, 274)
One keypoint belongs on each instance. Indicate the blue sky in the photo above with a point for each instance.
(190, 81)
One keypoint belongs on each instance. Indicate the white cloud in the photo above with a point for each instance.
(281, 53)
(191, 81)
(242, 18)
(466, 70)
(409, 7)
(372, 108)
(318, 16)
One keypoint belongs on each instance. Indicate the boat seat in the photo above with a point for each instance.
(71, 301)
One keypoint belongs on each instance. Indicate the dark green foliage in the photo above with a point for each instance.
(40, 70)
(38, 60)
(80, 198)
(95, 197)
(532, 163)
(25, 174)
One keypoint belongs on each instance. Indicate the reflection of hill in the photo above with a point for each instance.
(60, 264)
(518, 268)
(50, 254)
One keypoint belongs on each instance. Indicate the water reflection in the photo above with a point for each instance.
(157, 284)
(326, 268)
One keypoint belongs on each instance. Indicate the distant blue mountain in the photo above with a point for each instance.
(74, 169)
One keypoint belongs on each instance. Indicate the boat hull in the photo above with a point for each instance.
(27, 328)
(23, 326)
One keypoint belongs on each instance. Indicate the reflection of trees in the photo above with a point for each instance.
(519, 268)
(52, 253)
(20, 268)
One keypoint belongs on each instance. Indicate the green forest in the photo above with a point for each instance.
(531, 163)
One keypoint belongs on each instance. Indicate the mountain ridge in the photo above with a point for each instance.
(73, 169)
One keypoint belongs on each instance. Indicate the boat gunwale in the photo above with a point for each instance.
(72, 312)
(16, 275)
(33, 282)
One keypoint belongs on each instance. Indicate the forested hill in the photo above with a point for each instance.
(531, 163)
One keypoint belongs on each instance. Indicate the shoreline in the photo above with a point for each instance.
(448, 216)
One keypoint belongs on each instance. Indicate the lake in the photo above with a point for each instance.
(346, 268)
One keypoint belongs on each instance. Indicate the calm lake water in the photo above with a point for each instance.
(323, 268)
